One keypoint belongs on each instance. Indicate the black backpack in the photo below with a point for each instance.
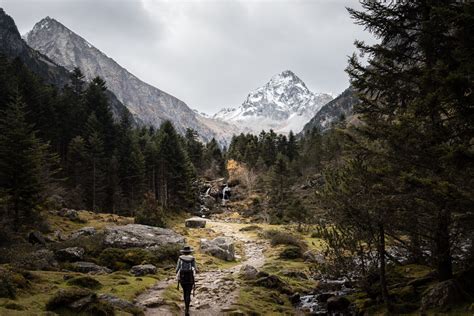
(186, 275)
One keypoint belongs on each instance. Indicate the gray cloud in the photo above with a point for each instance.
(211, 53)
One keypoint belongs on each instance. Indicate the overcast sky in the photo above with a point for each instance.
(212, 53)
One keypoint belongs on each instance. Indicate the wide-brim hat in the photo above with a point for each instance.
(186, 250)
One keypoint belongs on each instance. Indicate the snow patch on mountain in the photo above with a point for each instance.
(284, 104)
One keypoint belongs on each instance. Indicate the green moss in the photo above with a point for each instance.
(85, 281)
(252, 300)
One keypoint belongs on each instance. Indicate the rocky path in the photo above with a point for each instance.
(217, 290)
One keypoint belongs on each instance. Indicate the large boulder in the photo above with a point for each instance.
(70, 254)
(442, 295)
(195, 222)
(143, 269)
(84, 231)
(89, 267)
(248, 272)
(311, 256)
(140, 236)
(220, 247)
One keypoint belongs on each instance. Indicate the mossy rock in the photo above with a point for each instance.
(85, 282)
(78, 301)
(291, 252)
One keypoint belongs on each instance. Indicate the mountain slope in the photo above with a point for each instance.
(13, 46)
(151, 105)
(341, 106)
(283, 104)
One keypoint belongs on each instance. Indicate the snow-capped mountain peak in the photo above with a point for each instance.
(284, 103)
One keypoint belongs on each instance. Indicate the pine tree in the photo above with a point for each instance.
(175, 171)
(23, 159)
(415, 96)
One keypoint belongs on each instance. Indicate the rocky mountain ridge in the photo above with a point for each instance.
(13, 46)
(149, 104)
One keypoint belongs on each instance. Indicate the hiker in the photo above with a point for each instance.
(185, 270)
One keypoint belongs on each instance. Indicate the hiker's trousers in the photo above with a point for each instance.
(187, 288)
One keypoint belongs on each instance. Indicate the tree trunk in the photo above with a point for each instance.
(93, 185)
(443, 248)
(381, 254)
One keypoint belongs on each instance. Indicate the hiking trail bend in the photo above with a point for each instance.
(217, 290)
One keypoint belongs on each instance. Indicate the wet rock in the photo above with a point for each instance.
(89, 267)
(35, 237)
(143, 269)
(195, 222)
(248, 272)
(84, 231)
(70, 254)
(442, 295)
(220, 247)
(69, 213)
(295, 298)
(337, 304)
(140, 236)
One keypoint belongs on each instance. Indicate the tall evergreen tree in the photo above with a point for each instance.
(22, 159)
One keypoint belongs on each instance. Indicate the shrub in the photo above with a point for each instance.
(282, 238)
(122, 259)
(86, 282)
(167, 253)
(291, 252)
(150, 213)
(7, 286)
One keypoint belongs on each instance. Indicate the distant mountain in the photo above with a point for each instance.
(283, 104)
(13, 46)
(150, 105)
(341, 106)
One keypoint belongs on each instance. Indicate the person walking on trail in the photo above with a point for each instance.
(225, 194)
(185, 270)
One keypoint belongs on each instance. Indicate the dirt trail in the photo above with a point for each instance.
(217, 290)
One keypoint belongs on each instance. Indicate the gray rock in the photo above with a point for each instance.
(442, 295)
(143, 269)
(195, 222)
(89, 267)
(117, 302)
(312, 256)
(248, 272)
(140, 236)
(70, 254)
(220, 247)
(69, 213)
(84, 231)
(42, 259)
